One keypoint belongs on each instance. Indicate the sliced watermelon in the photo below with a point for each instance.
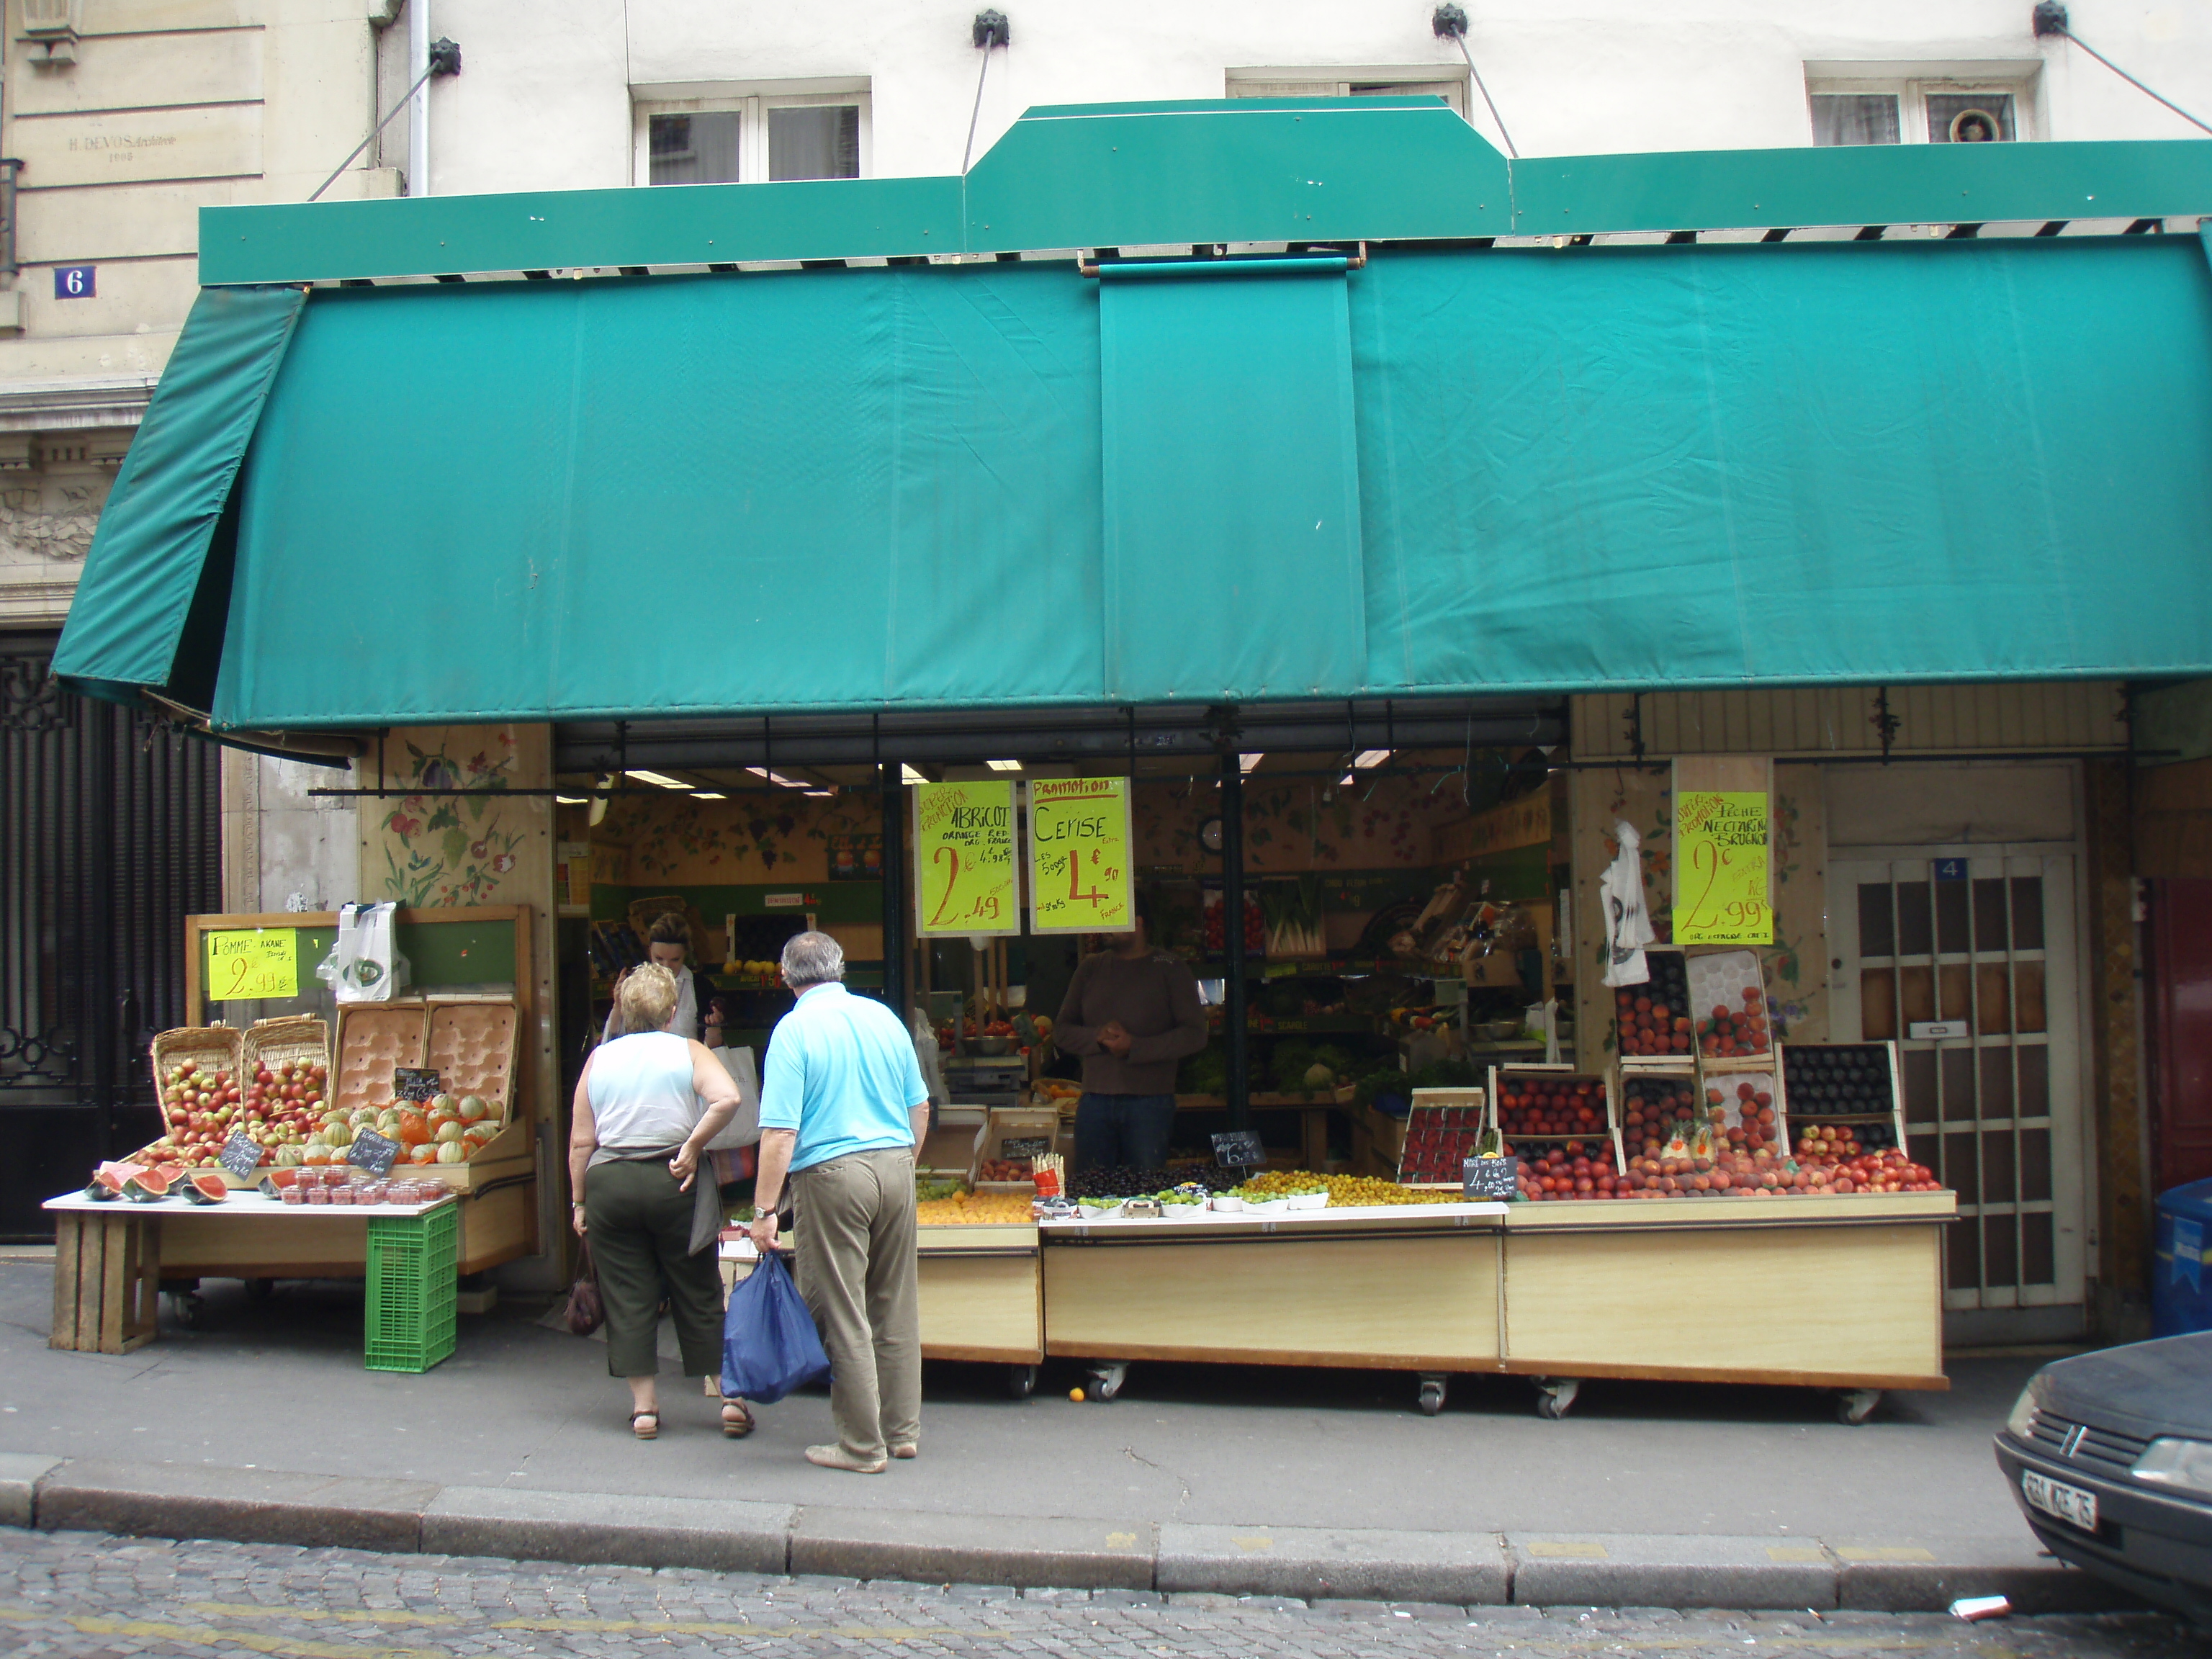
(148, 1186)
(112, 1178)
(206, 1186)
(100, 1193)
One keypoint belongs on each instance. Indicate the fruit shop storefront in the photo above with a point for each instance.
(1137, 452)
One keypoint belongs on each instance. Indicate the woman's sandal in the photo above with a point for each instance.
(738, 1427)
(637, 1428)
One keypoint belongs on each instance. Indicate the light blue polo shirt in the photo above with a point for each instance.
(841, 1070)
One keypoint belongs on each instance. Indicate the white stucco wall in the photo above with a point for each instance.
(544, 99)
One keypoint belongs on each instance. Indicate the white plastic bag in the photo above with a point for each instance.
(365, 964)
(1627, 925)
(743, 1129)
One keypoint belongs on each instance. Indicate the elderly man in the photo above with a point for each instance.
(839, 1096)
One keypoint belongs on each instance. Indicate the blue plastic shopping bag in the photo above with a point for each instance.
(769, 1345)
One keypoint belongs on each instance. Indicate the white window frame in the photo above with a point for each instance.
(1910, 88)
(752, 101)
(1445, 80)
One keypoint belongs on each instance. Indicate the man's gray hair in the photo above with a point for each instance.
(813, 959)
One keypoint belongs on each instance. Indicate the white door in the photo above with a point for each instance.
(1981, 939)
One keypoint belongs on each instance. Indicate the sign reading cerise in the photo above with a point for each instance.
(1080, 856)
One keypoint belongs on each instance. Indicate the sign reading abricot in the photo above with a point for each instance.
(1080, 856)
(963, 858)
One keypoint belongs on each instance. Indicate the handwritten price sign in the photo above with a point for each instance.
(1721, 893)
(1080, 856)
(242, 967)
(963, 858)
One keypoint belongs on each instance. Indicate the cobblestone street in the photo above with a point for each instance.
(96, 1597)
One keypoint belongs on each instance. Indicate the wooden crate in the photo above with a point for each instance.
(107, 1279)
(1669, 985)
(1798, 1122)
(1441, 1131)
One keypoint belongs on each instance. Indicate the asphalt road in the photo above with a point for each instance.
(88, 1596)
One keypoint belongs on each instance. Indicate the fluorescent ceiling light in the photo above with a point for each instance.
(710, 794)
(1004, 766)
(1249, 763)
(569, 801)
(1371, 757)
(907, 774)
(776, 778)
(820, 794)
(661, 778)
(1342, 781)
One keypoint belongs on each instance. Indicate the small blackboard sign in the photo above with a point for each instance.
(1024, 1146)
(373, 1152)
(239, 1155)
(1486, 1180)
(414, 1082)
(1239, 1149)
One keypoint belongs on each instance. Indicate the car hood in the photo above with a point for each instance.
(2146, 1389)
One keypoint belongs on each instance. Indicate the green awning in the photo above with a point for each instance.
(1856, 463)
(143, 594)
(1231, 481)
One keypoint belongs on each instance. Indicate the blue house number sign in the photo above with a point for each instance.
(73, 281)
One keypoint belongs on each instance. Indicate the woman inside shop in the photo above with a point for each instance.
(1133, 1013)
(698, 1012)
(649, 1101)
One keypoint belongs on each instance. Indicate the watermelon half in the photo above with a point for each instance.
(147, 1186)
(206, 1186)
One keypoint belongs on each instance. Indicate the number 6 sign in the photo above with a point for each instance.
(74, 282)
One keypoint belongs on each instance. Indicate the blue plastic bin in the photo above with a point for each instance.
(2180, 1280)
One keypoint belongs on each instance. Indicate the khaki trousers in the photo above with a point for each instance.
(856, 1270)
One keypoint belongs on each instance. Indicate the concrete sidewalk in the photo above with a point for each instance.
(262, 1426)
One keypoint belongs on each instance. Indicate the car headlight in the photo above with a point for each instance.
(2183, 1465)
(2022, 1423)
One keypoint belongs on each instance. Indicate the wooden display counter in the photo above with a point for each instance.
(1398, 1288)
(982, 1294)
(1844, 1292)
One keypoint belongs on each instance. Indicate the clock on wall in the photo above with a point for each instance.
(1209, 835)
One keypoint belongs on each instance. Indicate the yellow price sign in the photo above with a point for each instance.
(963, 858)
(1080, 856)
(1721, 892)
(247, 965)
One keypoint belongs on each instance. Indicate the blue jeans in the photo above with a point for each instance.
(1131, 1131)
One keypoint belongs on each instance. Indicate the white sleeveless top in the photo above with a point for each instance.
(641, 1090)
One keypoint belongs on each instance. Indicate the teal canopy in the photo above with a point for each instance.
(141, 595)
(1453, 470)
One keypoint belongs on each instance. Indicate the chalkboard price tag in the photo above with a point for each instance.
(414, 1082)
(239, 1155)
(373, 1152)
(1239, 1149)
(1485, 1180)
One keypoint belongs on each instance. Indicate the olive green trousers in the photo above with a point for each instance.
(638, 1224)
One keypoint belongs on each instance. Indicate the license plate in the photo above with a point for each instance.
(2069, 1504)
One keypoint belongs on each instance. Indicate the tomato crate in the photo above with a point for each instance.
(413, 1290)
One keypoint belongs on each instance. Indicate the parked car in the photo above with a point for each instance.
(2109, 1456)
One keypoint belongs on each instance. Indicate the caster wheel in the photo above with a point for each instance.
(260, 1290)
(1432, 1395)
(1021, 1381)
(189, 1309)
(1854, 1405)
(1106, 1380)
(1555, 1396)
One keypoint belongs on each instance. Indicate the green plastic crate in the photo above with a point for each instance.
(413, 1286)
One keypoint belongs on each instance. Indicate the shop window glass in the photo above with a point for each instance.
(1961, 1173)
(1915, 995)
(1918, 1066)
(1962, 1257)
(2034, 1165)
(1951, 935)
(2027, 991)
(2035, 1061)
(700, 149)
(2038, 1258)
(814, 141)
(2001, 1248)
(1956, 981)
(1989, 915)
(1878, 1003)
(1916, 925)
(1958, 1082)
(1997, 1082)
(1877, 928)
(2028, 913)
(1993, 1015)
(1855, 118)
(1997, 1162)
(1970, 117)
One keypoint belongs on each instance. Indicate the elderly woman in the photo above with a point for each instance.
(647, 1101)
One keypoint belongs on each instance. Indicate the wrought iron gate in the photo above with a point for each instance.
(109, 837)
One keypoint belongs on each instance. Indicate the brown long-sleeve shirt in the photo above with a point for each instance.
(1156, 999)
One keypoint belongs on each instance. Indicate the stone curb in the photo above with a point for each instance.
(1326, 1567)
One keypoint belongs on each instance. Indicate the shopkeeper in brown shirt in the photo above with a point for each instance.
(1133, 1014)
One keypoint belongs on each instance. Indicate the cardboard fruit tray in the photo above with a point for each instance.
(374, 1037)
(472, 1046)
(1734, 982)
